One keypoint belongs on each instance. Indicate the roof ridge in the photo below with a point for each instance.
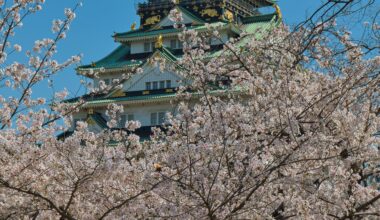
(119, 50)
(191, 14)
(183, 10)
(259, 18)
(167, 51)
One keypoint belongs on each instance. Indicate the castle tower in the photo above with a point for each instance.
(147, 96)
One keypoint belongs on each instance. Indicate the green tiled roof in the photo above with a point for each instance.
(120, 59)
(153, 97)
(259, 18)
(114, 60)
(131, 98)
(153, 31)
(167, 54)
(262, 23)
(132, 35)
(255, 26)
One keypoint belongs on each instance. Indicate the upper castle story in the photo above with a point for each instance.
(136, 46)
(150, 11)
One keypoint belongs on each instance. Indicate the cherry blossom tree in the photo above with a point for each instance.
(292, 137)
(282, 142)
(277, 125)
(42, 177)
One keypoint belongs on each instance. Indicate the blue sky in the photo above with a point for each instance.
(90, 33)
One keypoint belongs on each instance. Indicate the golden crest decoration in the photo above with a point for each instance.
(210, 12)
(152, 20)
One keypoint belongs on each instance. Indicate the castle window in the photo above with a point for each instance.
(161, 117)
(158, 85)
(155, 85)
(124, 118)
(148, 46)
(162, 84)
(168, 83)
(148, 86)
(157, 118)
(175, 44)
(153, 118)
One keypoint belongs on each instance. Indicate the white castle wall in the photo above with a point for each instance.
(140, 112)
(150, 74)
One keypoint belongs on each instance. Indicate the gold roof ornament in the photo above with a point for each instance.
(176, 2)
(90, 111)
(133, 26)
(209, 12)
(229, 16)
(159, 42)
(152, 20)
(278, 11)
(93, 64)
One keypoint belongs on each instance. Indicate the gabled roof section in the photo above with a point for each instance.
(120, 58)
(188, 17)
(166, 53)
(163, 52)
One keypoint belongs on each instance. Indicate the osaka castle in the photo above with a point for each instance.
(146, 96)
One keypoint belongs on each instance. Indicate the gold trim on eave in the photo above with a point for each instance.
(119, 93)
(278, 11)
